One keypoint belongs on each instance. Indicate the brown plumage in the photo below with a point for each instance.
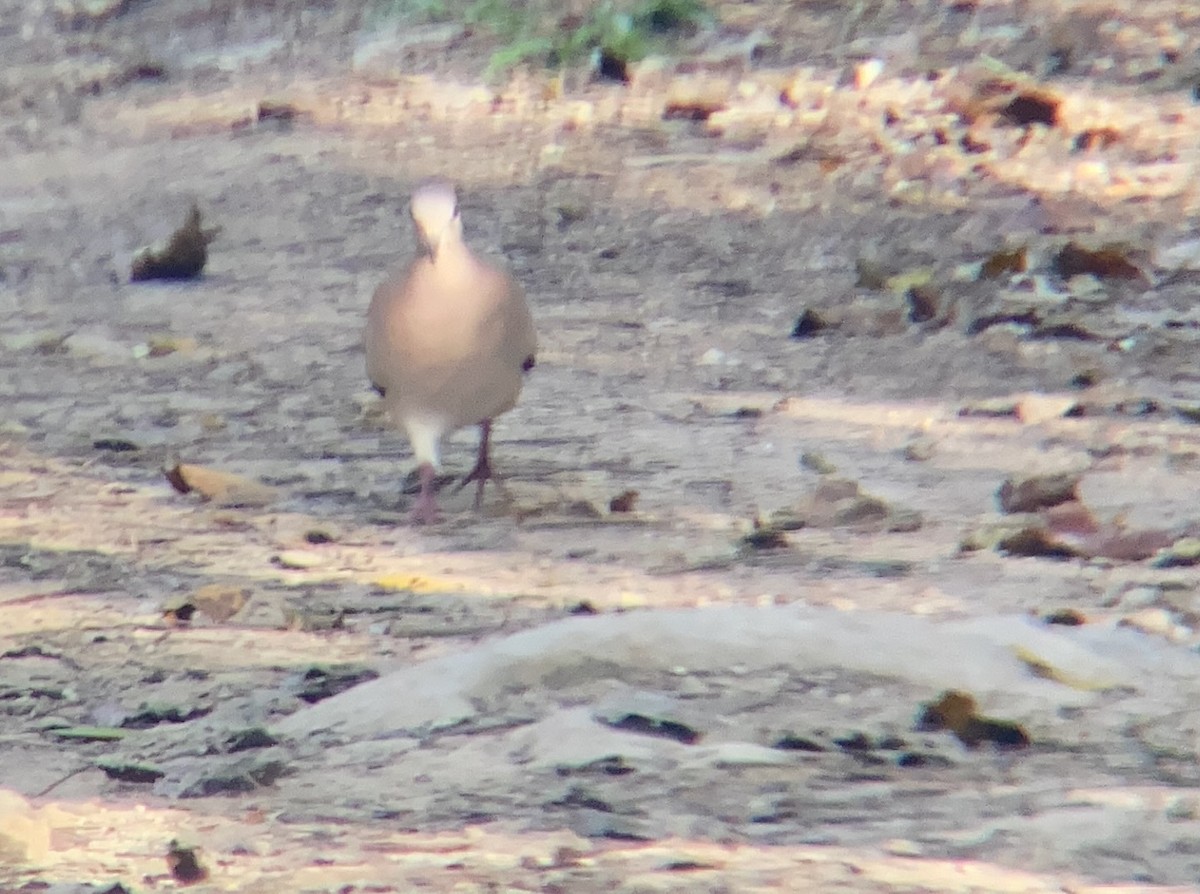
(447, 342)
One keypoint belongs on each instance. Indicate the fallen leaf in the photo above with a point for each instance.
(1033, 409)
(179, 610)
(1183, 553)
(1032, 107)
(654, 726)
(139, 774)
(220, 602)
(809, 323)
(89, 733)
(1065, 617)
(1037, 542)
(1071, 517)
(162, 345)
(625, 501)
(1004, 263)
(298, 560)
(184, 865)
(924, 303)
(277, 110)
(1096, 138)
(765, 537)
(222, 488)
(695, 99)
(839, 502)
(1113, 542)
(1028, 493)
(900, 283)
(815, 462)
(1108, 262)
(319, 683)
(183, 257)
(955, 711)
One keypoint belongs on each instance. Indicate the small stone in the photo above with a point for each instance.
(919, 450)
(1137, 598)
(1152, 621)
(815, 462)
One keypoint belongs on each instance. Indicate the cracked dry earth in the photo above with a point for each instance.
(667, 261)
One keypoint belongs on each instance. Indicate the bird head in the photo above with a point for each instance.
(434, 210)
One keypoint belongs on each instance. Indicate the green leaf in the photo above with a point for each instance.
(90, 733)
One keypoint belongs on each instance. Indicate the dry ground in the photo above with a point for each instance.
(667, 261)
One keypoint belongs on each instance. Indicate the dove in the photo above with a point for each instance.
(448, 342)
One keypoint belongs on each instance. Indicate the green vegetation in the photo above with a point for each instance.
(608, 35)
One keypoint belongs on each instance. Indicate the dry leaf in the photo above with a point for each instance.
(1004, 263)
(1033, 409)
(625, 501)
(184, 865)
(1107, 262)
(955, 711)
(223, 488)
(183, 257)
(1028, 493)
(220, 602)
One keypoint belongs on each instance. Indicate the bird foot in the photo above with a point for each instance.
(481, 473)
(425, 512)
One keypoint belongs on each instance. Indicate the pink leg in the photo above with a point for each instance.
(483, 468)
(425, 512)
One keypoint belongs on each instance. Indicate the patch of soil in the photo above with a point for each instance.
(857, 162)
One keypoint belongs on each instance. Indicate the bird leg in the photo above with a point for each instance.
(425, 512)
(483, 467)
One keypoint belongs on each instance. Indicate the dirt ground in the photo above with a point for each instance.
(848, 165)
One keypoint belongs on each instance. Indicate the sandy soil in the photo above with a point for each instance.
(668, 258)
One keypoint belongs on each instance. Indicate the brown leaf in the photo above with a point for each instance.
(838, 502)
(1036, 541)
(1071, 517)
(1032, 107)
(625, 501)
(810, 323)
(184, 865)
(1033, 409)
(1096, 138)
(183, 257)
(955, 710)
(1003, 263)
(223, 488)
(1028, 493)
(924, 303)
(220, 602)
(1065, 617)
(1108, 262)
(1113, 542)
(765, 537)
